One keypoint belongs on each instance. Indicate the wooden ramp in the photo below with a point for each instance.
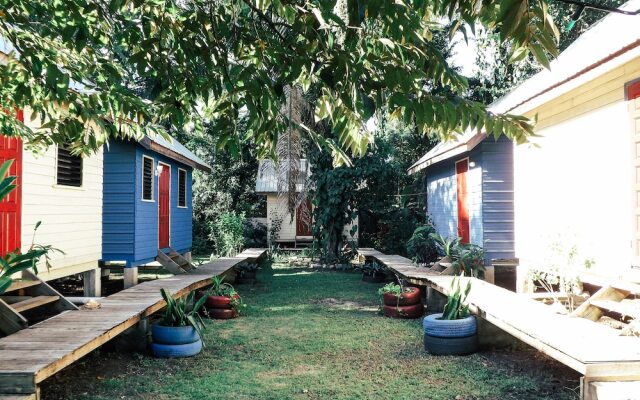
(32, 355)
(596, 351)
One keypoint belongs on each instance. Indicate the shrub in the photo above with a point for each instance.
(228, 234)
(466, 258)
(421, 247)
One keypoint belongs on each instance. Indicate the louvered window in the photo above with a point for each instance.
(182, 188)
(147, 178)
(68, 168)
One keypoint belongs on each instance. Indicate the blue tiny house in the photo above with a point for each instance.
(147, 200)
(469, 188)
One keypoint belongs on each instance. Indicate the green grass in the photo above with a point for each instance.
(317, 335)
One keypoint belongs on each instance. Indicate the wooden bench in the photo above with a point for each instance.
(34, 354)
(610, 363)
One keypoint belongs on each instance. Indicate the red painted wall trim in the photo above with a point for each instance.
(462, 167)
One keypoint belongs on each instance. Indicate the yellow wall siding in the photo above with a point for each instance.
(71, 217)
(601, 91)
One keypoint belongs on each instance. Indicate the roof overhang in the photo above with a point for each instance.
(453, 149)
(149, 144)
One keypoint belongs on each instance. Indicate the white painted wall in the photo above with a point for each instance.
(576, 187)
(71, 217)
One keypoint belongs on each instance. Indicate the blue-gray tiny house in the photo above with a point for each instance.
(147, 200)
(469, 189)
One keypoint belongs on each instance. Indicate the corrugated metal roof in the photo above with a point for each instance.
(612, 41)
(176, 151)
(267, 179)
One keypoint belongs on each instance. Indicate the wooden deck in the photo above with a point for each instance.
(32, 355)
(596, 351)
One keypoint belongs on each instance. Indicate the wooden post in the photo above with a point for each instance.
(188, 256)
(435, 300)
(92, 283)
(130, 277)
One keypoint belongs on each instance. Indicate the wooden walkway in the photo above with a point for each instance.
(596, 351)
(32, 355)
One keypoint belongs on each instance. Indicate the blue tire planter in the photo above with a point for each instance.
(176, 350)
(450, 337)
(434, 326)
(174, 334)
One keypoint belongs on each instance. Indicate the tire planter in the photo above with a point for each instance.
(222, 313)
(218, 302)
(450, 337)
(408, 298)
(404, 312)
(376, 277)
(175, 341)
(176, 350)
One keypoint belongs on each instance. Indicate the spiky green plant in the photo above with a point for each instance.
(183, 311)
(456, 307)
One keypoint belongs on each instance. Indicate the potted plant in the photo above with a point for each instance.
(401, 302)
(222, 300)
(179, 333)
(246, 273)
(454, 331)
(374, 272)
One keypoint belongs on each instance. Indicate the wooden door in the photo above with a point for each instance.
(10, 207)
(462, 167)
(303, 225)
(633, 97)
(164, 201)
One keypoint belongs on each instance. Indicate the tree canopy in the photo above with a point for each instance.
(80, 65)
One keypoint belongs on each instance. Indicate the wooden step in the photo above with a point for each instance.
(21, 284)
(34, 302)
(590, 311)
(617, 307)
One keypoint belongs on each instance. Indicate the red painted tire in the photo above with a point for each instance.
(404, 312)
(221, 313)
(406, 299)
(218, 302)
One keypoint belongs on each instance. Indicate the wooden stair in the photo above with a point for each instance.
(174, 262)
(29, 301)
(607, 299)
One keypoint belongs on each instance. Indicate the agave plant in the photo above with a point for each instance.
(183, 311)
(456, 307)
(15, 262)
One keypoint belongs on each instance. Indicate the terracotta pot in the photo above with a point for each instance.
(408, 298)
(404, 312)
(221, 313)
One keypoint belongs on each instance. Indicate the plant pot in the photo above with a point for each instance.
(218, 302)
(408, 298)
(176, 350)
(375, 277)
(174, 335)
(222, 313)
(404, 312)
(450, 337)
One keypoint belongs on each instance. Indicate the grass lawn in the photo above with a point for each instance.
(314, 335)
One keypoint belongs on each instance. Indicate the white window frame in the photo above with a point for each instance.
(185, 189)
(153, 180)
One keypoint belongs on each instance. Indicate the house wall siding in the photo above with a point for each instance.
(71, 218)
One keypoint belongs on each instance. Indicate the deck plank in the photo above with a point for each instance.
(65, 338)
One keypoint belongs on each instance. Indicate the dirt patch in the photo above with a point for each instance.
(344, 304)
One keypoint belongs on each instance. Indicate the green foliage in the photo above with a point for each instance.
(456, 307)
(183, 311)
(466, 258)
(221, 288)
(146, 65)
(228, 234)
(392, 288)
(15, 261)
(421, 247)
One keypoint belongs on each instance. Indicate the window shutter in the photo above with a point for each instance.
(147, 178)
(182, 188)
(69, 168)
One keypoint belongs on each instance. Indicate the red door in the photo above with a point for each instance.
(11, 149)
(303, 219)
(462, 167)
(163, 206)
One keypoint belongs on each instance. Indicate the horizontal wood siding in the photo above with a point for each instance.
(442, 196)
(119, 212)
(497, 198)
(71, 217)
(277, 209)
(146, 212)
